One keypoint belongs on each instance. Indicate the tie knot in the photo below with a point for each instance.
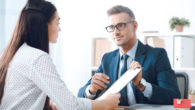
(125, 56)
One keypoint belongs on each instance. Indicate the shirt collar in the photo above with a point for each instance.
(131, 53)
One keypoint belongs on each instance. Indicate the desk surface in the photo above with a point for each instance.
(146, 107)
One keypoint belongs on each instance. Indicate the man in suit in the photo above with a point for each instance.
(155, 84)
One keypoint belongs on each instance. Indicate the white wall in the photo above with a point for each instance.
(83, 20)
(12, 11)
(2, 24)
(155, 14)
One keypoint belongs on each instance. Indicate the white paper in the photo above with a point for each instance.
(121, 82)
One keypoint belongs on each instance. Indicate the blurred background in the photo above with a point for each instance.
(83, 38)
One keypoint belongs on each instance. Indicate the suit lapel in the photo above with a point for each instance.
(115, 65)
(140, 53)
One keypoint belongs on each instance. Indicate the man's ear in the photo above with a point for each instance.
(135, 25)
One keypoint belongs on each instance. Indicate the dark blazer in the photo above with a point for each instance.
(157, 71)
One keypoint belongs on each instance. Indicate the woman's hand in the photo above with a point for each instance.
(109, 103)
(52, 106)
(112, 101)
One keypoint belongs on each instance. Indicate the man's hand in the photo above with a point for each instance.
(98, 82)
(137, 79)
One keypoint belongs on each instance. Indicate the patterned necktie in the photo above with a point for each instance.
(124, 99)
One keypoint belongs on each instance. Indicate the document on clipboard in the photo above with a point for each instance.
(121, 82)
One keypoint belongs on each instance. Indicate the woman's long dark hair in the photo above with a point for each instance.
(32, 28)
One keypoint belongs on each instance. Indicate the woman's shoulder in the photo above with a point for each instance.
(30, 53)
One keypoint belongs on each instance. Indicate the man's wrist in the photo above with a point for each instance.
(92, 93)
(88, 94)
(142, 85)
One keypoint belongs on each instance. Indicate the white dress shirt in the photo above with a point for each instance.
(148, 89)
(131, 97)
(31, 77)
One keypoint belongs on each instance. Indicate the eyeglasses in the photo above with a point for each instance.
(119, 26)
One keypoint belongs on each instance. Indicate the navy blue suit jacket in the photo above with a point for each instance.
(157, 71)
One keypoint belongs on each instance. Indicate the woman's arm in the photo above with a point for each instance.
(45, 76)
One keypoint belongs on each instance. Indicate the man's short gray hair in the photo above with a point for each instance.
(119, 9)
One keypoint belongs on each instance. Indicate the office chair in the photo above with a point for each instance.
(183, 83)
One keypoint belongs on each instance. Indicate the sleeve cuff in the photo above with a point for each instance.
(88, 94)
(148, 90)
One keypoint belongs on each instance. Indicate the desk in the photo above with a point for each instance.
(146, 107)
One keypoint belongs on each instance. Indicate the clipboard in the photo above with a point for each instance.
(121, 82)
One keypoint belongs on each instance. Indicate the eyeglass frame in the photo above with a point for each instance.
(115, 26)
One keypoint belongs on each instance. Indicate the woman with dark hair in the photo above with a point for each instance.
(28, 77)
